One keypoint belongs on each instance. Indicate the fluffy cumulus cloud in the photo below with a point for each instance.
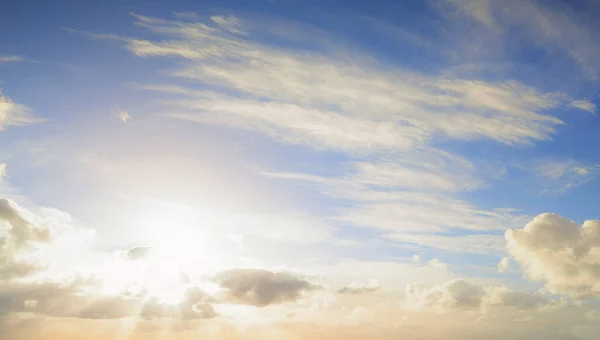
(19, 235)
(80, 298)
(259, 287)
(461, 294)
(560, 252)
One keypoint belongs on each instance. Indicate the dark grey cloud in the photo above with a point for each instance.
(260, 287)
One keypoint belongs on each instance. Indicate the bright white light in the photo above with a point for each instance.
(182, 249)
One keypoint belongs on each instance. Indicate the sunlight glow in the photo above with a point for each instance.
(181, 249)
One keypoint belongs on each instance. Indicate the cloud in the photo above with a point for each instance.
(560, 176)
(260, 288)
(2, 171)
(460, 294)
(415, 192)
(10, 58)
(436, 263)
(49, 299)
(340, 102)
(138, 252)
(584, 105)
(504, 265)
(123, 116)
(21, 231)
(561, 252)
(186, 15)
(480, 10)
(229, 23)
(193, 306)
(477, 244)
(14, 114)
(34, 243)
(357, 289)
(555, 27)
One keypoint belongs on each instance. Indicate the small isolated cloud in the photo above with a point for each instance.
(138, 252)
(11, 58)
(229, 23)
(260, 287)
(186, 15)
(14, 114)
(584, 105)
(460, 294)
(123, 116)
(436, 263)
(561, 252)
(504, 265)
(416, 258)
(356, 289)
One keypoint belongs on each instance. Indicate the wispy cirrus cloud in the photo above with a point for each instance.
(555, 26)
(11, 58)
(352, 103)
(379, 107)
(14, 114)
(559, 176)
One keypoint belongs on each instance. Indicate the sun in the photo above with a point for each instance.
(181, 248)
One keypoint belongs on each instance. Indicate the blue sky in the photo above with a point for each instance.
(401, 143)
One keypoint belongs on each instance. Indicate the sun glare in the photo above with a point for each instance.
(181, 249)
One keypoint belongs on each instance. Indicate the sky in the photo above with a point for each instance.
(299, 169)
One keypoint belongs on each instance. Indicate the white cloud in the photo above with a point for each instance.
(413, 192)
(123, 116)
(461, 294)
(478, 243)
(186, 15)
(584, 105)
(2, 171)
(436, 263)
(229, 23)
(560, 252)
(504, 265)
(14, 114)
(480, 10)
(338, 102)
(357, 289)
(563, 175)
(11, 58)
